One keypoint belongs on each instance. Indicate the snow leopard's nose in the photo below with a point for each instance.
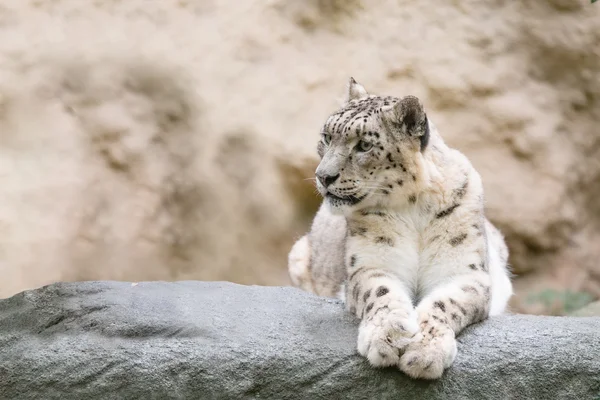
(327, 180)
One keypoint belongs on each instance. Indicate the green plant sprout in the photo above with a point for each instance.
(561, 302)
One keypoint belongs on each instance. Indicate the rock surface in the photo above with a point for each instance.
(196, 340)
(150, 150)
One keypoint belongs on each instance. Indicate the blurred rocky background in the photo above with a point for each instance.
(172, 140)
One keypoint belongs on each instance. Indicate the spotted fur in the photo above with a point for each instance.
(419, 260)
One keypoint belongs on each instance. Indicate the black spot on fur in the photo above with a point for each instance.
(383, 308)
(461, 308)
(400, 182)
(447, 211)
(487, 292)
(366, 295)
(358, 231)
(353, 310)
(356, 292)
(381, 291)
(440, 305)
(389, 157)
(357, 271)
(412, 199)
(369, 307)
(469, 289)
(433, 239)
(371, 212)
(473, 267)
(461, 191)
(352, 261)
(455, 317)
(431, 330)
(456, 240)
(384, 240)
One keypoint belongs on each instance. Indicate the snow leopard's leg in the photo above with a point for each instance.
(378, 294)
(461, 299)
(442, 315)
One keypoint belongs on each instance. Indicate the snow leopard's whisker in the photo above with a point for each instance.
(316, 192)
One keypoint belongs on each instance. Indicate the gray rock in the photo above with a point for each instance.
(196, 340)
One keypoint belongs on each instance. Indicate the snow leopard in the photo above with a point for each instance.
(401, 236)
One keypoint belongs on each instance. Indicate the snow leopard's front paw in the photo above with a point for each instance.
(430, 356)
(383, 337)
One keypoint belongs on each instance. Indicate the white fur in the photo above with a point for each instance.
(298, 263)
(502, 289)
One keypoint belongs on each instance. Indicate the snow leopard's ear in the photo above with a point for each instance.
(355, 91)
(408, 116)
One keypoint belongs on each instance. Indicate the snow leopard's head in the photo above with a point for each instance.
(372, 151)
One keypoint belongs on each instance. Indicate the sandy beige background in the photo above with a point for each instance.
(145, 140)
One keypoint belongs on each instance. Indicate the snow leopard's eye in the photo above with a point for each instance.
(364, 146)
(326, 139)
